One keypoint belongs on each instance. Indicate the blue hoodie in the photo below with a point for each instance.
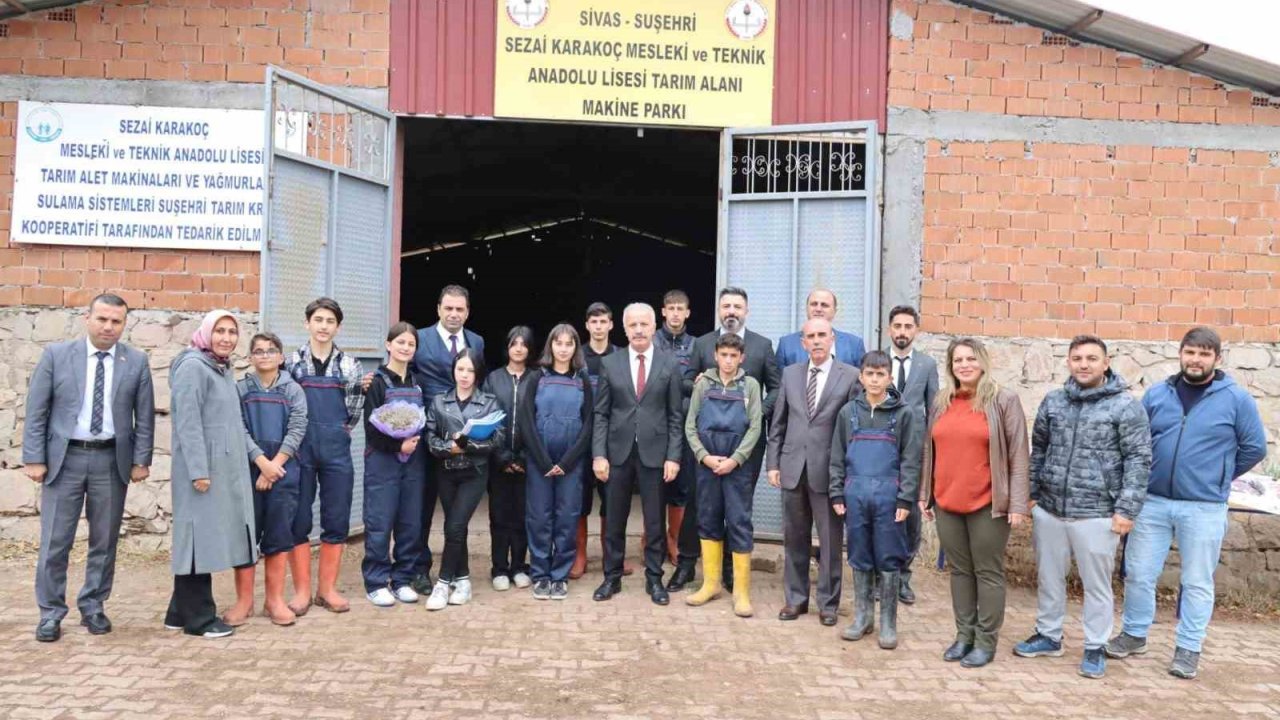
(1197, 455)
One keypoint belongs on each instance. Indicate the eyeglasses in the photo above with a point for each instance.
(265, 352)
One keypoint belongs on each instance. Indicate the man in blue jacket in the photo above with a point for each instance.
(848, 349)
(1205, 432)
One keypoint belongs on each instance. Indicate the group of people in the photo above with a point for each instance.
(862, 445)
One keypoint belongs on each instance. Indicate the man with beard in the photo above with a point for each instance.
(758, 362)
(1090, 462)
(821, 304)
(915, 375)
(1205, 432)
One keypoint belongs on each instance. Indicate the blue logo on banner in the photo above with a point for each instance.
(44, 124)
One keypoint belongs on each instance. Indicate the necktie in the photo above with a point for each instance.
(99, 390)
(640, 377)
(453, 345)
(902, 374)
(811, 391)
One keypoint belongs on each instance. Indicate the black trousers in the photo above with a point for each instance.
(625, 479)
(460, 494)
(510, 549)
(191, 606)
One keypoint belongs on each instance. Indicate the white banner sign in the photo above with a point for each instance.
(124, 176)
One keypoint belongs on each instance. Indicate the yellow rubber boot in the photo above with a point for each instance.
(742, 584)
(712, 559)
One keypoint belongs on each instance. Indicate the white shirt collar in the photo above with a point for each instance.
(910, 353)
(91, 350)
(648, 354)
(741, 333)
(445, 334)
(824, 367)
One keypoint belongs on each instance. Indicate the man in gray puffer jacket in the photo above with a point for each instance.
(1090, 461)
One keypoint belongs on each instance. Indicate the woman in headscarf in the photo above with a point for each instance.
(213, 526)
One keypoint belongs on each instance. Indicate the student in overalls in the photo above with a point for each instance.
(875, 476)
(394, 470)
(275, 421)
(554, 422)
(723, 426)
(509, 543)
(332, 382)
(462, 470)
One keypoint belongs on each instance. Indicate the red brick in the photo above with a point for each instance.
(182, 283)
(41, 296)
(157, 262)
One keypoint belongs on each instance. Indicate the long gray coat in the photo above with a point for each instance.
(212, 531)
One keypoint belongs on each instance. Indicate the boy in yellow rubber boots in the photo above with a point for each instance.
(723, 426)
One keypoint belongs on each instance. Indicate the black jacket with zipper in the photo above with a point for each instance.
(446, 417)
(509, 393)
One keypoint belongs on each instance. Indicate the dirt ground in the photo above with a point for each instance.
(506, 655)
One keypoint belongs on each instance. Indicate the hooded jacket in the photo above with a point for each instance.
(910, 433)
(1090, 451)
(1196, 455)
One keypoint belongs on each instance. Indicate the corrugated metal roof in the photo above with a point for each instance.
(14, 8)
(1086, 22)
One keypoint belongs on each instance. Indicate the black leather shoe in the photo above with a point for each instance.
(978, 657)
(97, 623)
(422, 584)
(657, 593)
(827, 619)
(49, 630)
(957, 651)
(791, 612)
(681, 577)
(607, 589)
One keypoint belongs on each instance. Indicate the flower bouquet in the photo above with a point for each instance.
(400, 420)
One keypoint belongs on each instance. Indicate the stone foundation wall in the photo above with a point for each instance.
(23, 335)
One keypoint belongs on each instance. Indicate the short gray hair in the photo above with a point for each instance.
(636, 307)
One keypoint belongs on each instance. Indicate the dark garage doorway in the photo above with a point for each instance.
(538, 220)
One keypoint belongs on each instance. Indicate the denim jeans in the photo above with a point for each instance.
(1198, 528)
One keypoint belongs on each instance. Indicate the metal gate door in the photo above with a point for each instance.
(328, 207)
(797, 212)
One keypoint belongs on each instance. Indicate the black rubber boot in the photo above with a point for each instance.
(863, 607)
(888, 610)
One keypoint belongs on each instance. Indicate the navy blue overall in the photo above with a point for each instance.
(553, 504)
(393, 505)
(875, 541)
(325, 459)
(266, 416)
(724, 501)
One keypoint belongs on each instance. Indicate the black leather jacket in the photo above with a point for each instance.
(445, 419)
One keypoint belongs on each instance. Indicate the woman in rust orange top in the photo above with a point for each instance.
(975, 478)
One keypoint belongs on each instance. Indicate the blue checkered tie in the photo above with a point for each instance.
(99, 389)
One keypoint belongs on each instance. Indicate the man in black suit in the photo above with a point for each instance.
(758, 362)
(637, 442)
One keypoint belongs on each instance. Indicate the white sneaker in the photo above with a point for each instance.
(522, 580)
(439, 596)
(406, 594)
(501, 583)
(382, 597)
(461, 594)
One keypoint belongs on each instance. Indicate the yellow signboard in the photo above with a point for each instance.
(656, 62)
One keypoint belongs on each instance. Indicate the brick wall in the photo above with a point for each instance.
(336, 42)
(1129, 242)
(963, 59)
(1043, 239)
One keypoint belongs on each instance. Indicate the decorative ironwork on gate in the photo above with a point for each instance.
(799, 163)
(318, 125)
